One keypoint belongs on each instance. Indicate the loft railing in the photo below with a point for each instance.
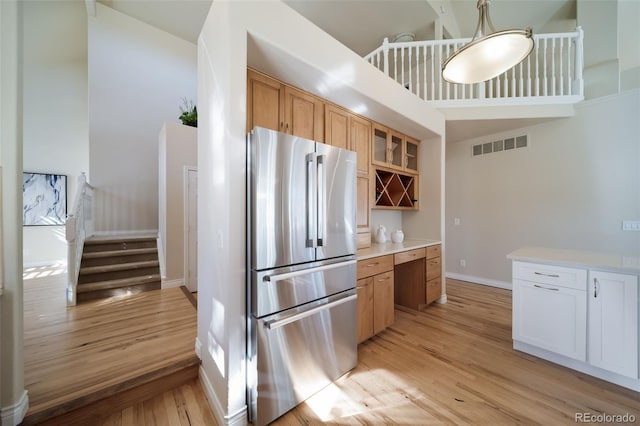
(79, 226)
(551, 73)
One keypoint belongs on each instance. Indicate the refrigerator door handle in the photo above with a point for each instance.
(322, 200)
(287, 275)
(312, 225)
(271, 325)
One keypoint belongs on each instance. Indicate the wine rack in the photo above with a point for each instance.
(395, 190)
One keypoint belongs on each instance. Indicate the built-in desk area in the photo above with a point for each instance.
(407, 274)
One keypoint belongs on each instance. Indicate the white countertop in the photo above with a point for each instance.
(391, 248)
(586, 259)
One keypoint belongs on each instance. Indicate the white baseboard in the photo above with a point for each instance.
(172, 283)
(239, 418)
(478, 280)
(146, 233)
(198, 349)
(161, 258)
(14, 414)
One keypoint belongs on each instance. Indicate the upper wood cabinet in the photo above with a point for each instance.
(274, 105)
(394, 150)
(336, 124)
(303, 114)
(264, 97)
(346, 130)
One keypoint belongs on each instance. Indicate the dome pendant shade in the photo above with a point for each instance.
(487, 56)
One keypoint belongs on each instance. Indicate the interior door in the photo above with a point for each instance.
(191, 230)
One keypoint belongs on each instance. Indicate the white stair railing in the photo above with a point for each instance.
(78, 227)
(552, 71)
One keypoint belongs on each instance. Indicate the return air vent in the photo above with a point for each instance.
(500, 145)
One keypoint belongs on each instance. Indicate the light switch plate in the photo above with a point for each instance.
(631, 225)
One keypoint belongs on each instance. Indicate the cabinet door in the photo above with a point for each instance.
(336, 127)
(361, 143)
(379, 149)
(263, 102)
(365, 309)
(613, 322)
(550, 317)
(383, 315)
(411, 155)
(396, 150)
(304, 115)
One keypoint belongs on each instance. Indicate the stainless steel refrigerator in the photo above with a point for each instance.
(301, 201)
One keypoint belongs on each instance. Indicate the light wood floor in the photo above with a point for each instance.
(94, 347)
(454, 364)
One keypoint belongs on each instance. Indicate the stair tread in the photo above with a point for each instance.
(124, 252)
(121, 282)
(111, 240)
(118, 267)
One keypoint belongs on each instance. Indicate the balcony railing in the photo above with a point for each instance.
(551, 73)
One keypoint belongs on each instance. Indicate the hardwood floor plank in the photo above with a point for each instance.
(76, 355)
(455, 364)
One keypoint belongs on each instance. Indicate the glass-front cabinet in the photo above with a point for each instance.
(410, 155)
(394, 150)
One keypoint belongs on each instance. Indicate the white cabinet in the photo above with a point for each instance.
(613, 322)
(550, 308)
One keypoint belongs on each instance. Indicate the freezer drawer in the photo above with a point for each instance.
(300, 351)
(275, 290)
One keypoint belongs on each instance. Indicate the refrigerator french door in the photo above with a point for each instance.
(301, 200)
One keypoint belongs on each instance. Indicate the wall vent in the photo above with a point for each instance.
(500, 145)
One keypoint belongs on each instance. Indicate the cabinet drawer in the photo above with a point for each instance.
(550, 274)
(433, 268)
(433, 251)
(374, 266)
(408, 256)
(434, 290)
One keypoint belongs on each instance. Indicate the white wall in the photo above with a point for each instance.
(56, 132)
(628, 41)
(138, 76)
(571, 188)
(13, 397)
(178, 148)
(260, 32)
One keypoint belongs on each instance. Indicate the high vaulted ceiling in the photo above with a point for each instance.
(361, 25)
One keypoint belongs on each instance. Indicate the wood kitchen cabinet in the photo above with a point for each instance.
(394, 150)
(277, 106)
(613, 322)
(264, 98)
(434, 273)
(375, 287)
(346, 130)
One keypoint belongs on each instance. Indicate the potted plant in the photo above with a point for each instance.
(189, 116)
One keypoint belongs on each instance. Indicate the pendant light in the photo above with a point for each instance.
(487, 55)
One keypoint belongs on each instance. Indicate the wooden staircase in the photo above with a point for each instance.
(117, 267)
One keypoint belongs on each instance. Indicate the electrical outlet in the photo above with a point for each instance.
(456, 221)
(631, 225)
(463, 263)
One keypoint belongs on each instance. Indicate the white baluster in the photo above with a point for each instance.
(580, 61)
(569, 79)
(561, 68)
(529, 75)
(545, 67)
(553, 67)
(537, 69)
(385, 52)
